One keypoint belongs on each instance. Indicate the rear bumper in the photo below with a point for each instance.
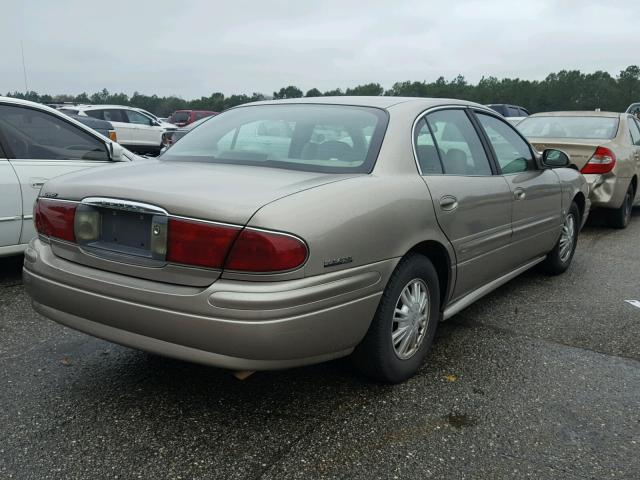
(606, 191)
(230, 324)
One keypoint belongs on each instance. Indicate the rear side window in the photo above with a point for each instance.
(458, 143)
(512, 152)
(635, 132)
(426, 150)
(322, 138)
(512, 111)
(32, 134)
(99, 114)
(115, 115)
(199, 115)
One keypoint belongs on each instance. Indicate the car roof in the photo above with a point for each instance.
(101, 107)
(377, 102)
(578, 113)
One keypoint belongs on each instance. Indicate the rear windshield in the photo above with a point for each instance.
(180, 117)
(569, 127)
(316, 138)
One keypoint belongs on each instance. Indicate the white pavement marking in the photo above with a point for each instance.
(635, 303)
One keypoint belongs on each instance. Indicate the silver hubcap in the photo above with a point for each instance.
(567, 237)
(410, 319)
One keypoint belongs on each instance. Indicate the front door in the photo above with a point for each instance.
(42, 146)
(472, 203)
(537, 215)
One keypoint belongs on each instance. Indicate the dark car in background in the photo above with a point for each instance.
(101, 126)
(171, 137)
(181, 118)
(513, 113)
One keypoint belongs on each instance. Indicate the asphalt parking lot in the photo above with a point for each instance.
(541, 379)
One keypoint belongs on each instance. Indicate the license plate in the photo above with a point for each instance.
(126, 230)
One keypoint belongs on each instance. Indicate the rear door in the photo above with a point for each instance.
(537, 197)
(125, 132)
(472, 202)
(10, 203)
(40, 146)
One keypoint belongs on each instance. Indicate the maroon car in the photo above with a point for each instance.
(185, 117)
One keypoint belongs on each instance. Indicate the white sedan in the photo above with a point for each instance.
(36, 144)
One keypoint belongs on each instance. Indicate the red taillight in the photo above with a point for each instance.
(261, 251)
(54, 218)
(199, 243)
(602, 161)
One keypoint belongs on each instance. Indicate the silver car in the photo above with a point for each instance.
(280, 234)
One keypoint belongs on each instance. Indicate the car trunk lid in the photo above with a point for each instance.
(579, 150)
(126, 210)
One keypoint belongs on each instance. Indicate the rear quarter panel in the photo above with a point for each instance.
(367, 218)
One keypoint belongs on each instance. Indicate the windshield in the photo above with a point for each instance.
(317, 138)
(569, 127)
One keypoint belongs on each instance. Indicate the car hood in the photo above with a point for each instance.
(217, 192)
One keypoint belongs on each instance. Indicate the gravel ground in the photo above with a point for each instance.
(540, 379)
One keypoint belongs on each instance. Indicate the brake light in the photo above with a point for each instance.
(262, 251)
(54, 218)
(199, 243)
(602, 161)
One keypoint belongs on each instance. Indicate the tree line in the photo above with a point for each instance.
(564, 90)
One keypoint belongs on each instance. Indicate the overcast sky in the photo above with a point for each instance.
(192, 48)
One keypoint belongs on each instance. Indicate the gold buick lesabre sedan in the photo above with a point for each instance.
(286, 233)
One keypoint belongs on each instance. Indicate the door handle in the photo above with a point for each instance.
(519, 194)
(36, 182)
(448, 203)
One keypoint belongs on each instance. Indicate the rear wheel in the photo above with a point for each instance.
(404, 324)
(559, 259)
(620, 217)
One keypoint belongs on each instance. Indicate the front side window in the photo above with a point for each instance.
(32, 134)
(512, 152)
(322, 138)
(137, 118)
(458, 143)
(592, 128)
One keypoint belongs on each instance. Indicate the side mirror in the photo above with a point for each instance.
(553, 158)
(115, 152)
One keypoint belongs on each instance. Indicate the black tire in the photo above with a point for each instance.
(557, 261)
(376, 356)
(620, 217)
